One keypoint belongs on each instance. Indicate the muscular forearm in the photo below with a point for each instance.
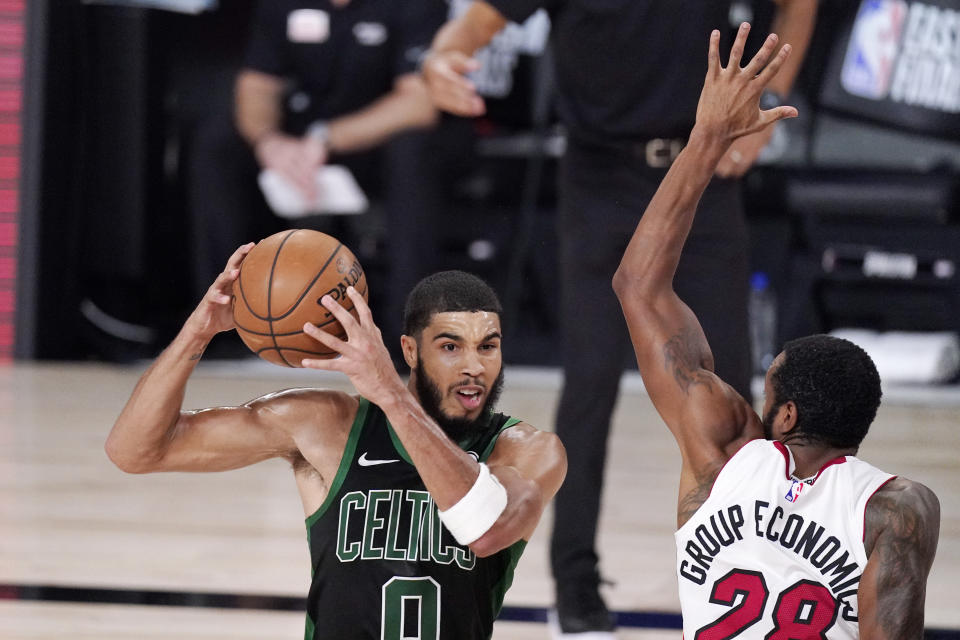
(257, 105)
(447, 471)
(794, 22)
(407, 106)
(139, 436)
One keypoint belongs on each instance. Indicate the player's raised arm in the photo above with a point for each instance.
(670, 346)
(153, 433)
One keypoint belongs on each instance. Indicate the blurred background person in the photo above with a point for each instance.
(322, 82)
(628, 104)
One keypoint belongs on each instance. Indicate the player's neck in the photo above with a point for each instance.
(809, 458)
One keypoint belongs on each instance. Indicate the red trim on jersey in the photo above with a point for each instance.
(839, 460)
(863, 538)
(786, 458)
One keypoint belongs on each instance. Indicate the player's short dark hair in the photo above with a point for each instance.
(443, 292)
(835, 386)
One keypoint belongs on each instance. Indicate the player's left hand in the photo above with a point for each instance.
(729, 106)
(743, 153)
(363, 356)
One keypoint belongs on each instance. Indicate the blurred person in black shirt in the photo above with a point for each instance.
(322, 81)
(628, 76)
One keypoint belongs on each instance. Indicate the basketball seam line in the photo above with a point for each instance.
(273, 265)
(306, 290)
(292, 333)
(270, 317)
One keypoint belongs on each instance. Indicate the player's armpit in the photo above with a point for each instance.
(902, 528)
(695, 488)
(531, 465)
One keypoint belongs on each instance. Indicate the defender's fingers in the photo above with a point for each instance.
(736, 51)
(779, 113)
(713, 54)
(755, 66)
(770, 116)
(771, 69)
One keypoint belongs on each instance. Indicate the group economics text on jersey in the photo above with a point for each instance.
(808, 539)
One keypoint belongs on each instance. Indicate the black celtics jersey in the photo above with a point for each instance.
(384, 566)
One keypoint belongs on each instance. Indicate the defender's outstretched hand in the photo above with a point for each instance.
(363, 356)
(729, 104)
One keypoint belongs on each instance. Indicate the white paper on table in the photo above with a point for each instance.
(337, 194)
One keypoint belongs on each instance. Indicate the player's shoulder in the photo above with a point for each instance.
(906, 510)
(526, 432)
(902, 493)
(524, 437)
(716, 431)
(307, 406)
(537, 455)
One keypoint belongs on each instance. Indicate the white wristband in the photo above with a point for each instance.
(476, 511)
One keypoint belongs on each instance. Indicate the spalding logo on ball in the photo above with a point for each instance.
(279, 289)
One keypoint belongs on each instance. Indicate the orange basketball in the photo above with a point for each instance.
(279, 288)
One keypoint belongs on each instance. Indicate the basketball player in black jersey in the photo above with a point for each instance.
(390, 479)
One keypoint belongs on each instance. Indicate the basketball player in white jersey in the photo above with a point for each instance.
(783, 533)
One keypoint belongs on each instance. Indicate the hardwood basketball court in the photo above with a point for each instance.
(229, 549)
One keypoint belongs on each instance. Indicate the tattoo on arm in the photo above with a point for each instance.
(197, 355)
(905, 547)
(684, 356)
(688, 504)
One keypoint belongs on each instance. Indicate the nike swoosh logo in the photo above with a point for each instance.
(364, 462)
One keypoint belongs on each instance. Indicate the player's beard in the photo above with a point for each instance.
(768, 419)
(458, 429)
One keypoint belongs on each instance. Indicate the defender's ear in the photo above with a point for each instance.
(788, 415)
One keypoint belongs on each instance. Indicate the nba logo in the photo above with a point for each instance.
(795, 489)
(874, 45)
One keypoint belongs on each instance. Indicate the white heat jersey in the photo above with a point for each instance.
(770, 557)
